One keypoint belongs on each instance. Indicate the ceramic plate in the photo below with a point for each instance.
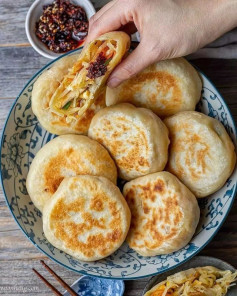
(23, 136)
(194, 262)
(94, 286)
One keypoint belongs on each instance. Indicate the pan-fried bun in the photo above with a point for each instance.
(42, 92)
(87, 218)
(135, 137)
(166, 87)
(202, 154)
(66, 156)
(165, 214)
(86, 79)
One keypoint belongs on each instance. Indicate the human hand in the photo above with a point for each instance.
(168, 28)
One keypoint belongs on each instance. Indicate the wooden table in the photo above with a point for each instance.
(18, 62)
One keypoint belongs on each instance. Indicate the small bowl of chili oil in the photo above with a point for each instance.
(54, 27)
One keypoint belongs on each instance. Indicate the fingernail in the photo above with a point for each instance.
(113, 82)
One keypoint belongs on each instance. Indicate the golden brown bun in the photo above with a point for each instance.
(66, 156)
(135, 137)
(42, 93)
(165, 87)
(202, 154)
(165, 214)
(87, 78)
(65, 98)
(87, 218)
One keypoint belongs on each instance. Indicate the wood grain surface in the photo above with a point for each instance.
(18, 62)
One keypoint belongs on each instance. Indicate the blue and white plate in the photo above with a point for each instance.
(94, 286)
(23, 136)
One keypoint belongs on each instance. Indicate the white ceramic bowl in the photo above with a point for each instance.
(33, 16)
(22, 138)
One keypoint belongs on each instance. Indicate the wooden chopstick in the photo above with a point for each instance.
(55, 291)
(65, 285)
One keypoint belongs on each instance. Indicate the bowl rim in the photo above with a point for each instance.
(201, 257)
(48, 54)
(82, 271)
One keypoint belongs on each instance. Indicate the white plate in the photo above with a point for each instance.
(23, 136)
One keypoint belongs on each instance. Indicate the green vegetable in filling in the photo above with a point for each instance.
(66, 106)
(107, 61)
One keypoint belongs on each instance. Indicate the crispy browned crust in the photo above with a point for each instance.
(87, 218)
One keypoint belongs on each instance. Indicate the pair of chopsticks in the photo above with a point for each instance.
(54, 290)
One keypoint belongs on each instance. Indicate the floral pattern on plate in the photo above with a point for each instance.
(93, 286)
(23, 136)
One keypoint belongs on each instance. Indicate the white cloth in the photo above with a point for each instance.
(224, 47)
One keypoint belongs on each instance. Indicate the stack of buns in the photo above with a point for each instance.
(151, 137)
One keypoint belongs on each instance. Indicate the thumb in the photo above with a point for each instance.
(139, 59)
